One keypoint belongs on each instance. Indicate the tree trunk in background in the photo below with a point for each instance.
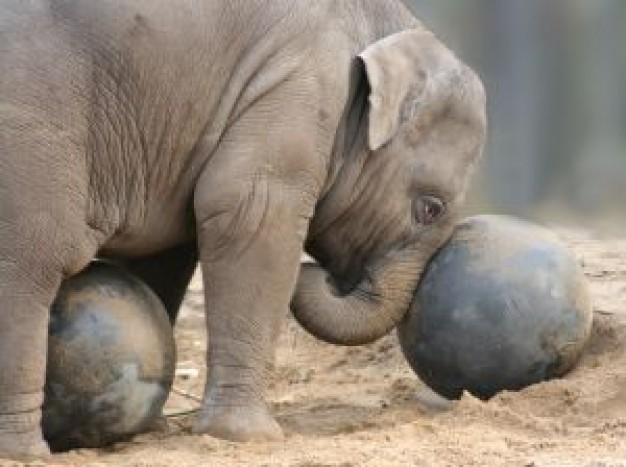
(516, 96)
(599, 174)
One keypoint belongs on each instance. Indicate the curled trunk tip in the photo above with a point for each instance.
(360, 317)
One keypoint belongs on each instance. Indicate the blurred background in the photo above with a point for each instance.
(555, 74)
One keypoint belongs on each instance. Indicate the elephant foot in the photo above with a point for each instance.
(23, 447)
(238, 423)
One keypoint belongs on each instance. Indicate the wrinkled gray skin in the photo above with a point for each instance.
(233, 132)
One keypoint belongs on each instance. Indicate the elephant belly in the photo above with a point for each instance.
(158, 232)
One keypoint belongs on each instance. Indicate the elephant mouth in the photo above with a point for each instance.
(343, 286)
(345, 279)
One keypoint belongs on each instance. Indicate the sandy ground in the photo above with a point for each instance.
(364, 406)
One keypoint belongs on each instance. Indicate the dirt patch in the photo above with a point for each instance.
(364, 406)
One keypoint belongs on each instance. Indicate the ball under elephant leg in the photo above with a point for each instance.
(111, 359)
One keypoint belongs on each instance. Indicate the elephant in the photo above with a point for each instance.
(234, 134)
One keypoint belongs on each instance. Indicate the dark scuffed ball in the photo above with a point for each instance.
(111, 359)
(502, 305)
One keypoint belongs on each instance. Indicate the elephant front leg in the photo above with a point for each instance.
(250, 257)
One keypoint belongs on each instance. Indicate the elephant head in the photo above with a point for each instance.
(413, 128)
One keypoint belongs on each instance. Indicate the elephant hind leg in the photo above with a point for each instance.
(36, 251)
(23, 338)
(167, 273)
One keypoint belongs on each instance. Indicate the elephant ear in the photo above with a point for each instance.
(399, 70)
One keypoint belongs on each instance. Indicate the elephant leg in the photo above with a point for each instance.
(250, 237)
(23, 319)
(249, 272)
(34, 256)
(167, 273)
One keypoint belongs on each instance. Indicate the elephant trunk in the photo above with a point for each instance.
(368, 312)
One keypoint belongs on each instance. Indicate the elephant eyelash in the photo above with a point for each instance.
(445, 196)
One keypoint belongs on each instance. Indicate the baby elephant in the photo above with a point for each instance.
(236, 133)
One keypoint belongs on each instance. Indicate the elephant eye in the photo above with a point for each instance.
(428, 209)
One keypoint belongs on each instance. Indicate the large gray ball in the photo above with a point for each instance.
(111, 359)
(502, 305)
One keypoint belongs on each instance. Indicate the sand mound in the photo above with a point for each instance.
(364, 406)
